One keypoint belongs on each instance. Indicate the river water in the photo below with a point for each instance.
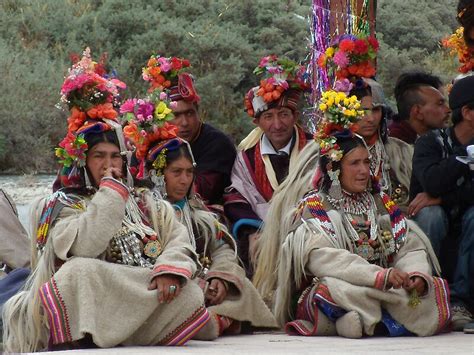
(24, 189)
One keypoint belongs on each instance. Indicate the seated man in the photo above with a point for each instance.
(213, 151)
(421, 106)
(438, 172)
(266, 154)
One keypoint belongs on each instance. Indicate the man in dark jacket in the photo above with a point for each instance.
(438, 171)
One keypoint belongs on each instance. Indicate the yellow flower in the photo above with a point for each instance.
(330, 102)
(346, 102)
(329, 52)
(357, 105)
(353, 99)
(161, 111)
(323, 107)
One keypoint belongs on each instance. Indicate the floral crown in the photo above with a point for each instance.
(340, 115)
(147, 122)
(350, 56)
(279, 75)
(88, 93)
(457, 46)
(162, 71)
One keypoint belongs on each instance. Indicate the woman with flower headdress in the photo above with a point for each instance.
(352, 264)
(168, 164)
(109, 267)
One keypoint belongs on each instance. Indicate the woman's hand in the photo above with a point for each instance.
(416, 283)
(216, 292)
(112, 172)
(168, 286)
(398, 279)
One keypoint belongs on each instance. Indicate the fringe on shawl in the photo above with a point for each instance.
(25, 327)
(291, 272)
(280, 218)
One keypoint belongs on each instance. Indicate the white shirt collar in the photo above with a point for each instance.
(266, 146)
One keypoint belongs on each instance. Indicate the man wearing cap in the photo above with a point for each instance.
(266, 154)
(438, 171)
(213, 151)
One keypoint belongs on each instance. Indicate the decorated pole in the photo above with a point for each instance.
(332, 18)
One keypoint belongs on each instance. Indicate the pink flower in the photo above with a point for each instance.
(343, 85)
(165, 65)
(284, 84)
(275, 70)
(341, 59)
(128, 106)
(173, 105)
(146, 109)
(163, 96)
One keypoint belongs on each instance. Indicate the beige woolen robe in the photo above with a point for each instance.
(353, 283)
(109, 301)
(14, 241)
(243, 302)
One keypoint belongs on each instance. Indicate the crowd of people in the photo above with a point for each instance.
(158, 230)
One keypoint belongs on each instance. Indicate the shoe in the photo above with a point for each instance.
(469, 328)
(461, 317)
(349, 325)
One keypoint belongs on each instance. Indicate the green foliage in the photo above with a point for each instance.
(224, 39)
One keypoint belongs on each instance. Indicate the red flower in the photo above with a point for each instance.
(346, 45)
(373, 42)
(361, 47)
(176, 63)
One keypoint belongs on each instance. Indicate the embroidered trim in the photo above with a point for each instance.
(115, 185)
(183, 333)
(442, 296)
(397, 220)
(380, 279)
(55, 308)
(162, 269)
(262, 182)
(315, 206)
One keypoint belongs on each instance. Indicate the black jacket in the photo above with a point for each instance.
(437, 171)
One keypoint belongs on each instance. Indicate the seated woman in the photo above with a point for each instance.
(230, 297)
(106, 274)
(353, 265)
(390, 158)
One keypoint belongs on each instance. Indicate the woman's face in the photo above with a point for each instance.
(178, 177)
(355, 170)
(368, 126)
(100, 157)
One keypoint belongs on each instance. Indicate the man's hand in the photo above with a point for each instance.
(422, 200)
(398, 279)
(417, 283)
(168, 286)
(216, 292)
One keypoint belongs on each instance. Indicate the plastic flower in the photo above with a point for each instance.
(340, 113)
(72, 149)
(161, 111)
(457, 46)
(341, 59)
(161, 71)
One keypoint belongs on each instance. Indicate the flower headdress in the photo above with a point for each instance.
(350, 56)
(457, 46)
(340, 116)
(147, 122)
(90, 96)
(279, 75)
(161, 72)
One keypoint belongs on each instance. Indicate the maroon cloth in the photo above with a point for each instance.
(214, 153)
(403, 131)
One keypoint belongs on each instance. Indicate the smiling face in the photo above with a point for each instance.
(278, 125)
(101, 157)
(179, 175)
(355, 170)
(369, 125)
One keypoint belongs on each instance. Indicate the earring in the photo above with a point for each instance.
(159, 183)
(335, 190)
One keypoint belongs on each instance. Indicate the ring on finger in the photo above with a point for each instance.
(172, 288)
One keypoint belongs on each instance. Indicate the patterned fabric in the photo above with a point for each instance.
(443, 303)
(56, 311)
(262, 182)
(188, 329)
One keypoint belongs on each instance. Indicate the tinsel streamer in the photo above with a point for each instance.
(351, 17)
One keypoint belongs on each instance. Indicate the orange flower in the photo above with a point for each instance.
(76, 119)
(103, 111)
